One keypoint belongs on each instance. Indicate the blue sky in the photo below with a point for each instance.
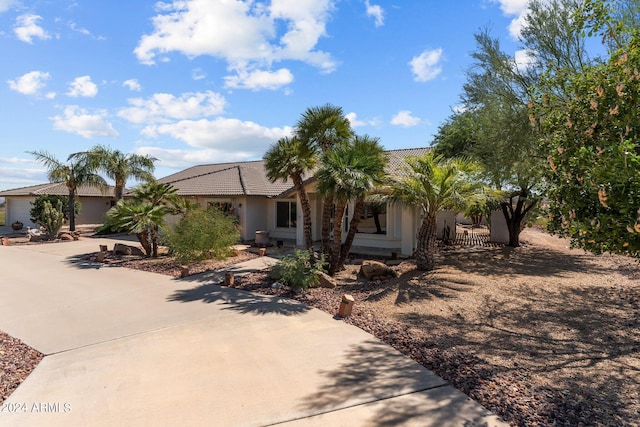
(207, 81)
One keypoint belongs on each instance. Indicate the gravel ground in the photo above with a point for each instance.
(17, 360)
(541, 335)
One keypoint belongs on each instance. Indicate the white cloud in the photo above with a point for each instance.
(426, 66)
(164, 107)
(29, 83)
(517, 8)
(405, 118)
(78, 121)
(524, 58)
(249, 36)
(6, 5)
(222, 134)
(257, 79)
(376, 12)
(198, 74)
(132, 84)
(355, 122)
(27, 28)
(180, 159)
(82, 86)
(459, 109)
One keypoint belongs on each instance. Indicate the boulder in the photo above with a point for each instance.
(325, 281)
(66, 236)
(370, 269)
(123, 249)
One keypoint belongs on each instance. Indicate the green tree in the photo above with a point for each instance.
(322, 128)
(37, 207)
(592, 141)
(118, 166)
(289, 158)
(433, 183)
(74, 174)
(348, 172)
(145, 214)
(52, 219)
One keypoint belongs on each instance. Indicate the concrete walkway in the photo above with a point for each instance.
(132, 348)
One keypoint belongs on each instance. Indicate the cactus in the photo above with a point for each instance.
(52, 219)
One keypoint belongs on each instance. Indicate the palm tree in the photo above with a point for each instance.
(74, 174)
(433, 183)
(290, 159)
(349, 172)
(145, 213)
(119, 166)
(323, 127)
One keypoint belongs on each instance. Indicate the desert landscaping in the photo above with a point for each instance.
(541, 334)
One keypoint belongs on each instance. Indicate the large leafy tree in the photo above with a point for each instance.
(593, 139)
(433, 183)
(348, 172)
(118, 166)
(76, 172)
(288, 159)
(145, 213)
(323, 127)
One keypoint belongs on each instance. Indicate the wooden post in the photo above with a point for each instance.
(346, 305)
(184, 270)
(263, 251)
(228, 278)
(103, 248)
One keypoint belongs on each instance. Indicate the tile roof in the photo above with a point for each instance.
(250, 178)
(56, 189)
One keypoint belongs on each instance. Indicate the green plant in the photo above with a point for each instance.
(297, 270)
(37, 207)
(202, 234)
(52, 219)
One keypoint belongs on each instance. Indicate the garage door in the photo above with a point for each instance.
(18, 210)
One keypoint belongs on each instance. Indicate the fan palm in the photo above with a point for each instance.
(433, 183)
(75, 173)
(349, 172)
(289, 158)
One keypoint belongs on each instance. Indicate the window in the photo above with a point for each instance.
(225, 207)
(373, 219)
(286, 214)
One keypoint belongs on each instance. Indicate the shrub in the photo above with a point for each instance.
(202, 234)
(297, 270)
(37, 209)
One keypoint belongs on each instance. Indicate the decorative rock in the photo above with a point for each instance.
(392, 262)
(326, 281)
(370, 269)
(65, 236)
(277, 285)
(5, 241)
(123, 249)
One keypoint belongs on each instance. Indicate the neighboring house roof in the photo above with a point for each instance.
(250, 178)
(56, 189)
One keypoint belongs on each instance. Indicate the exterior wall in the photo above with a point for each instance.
(446, 219)
(92, 210)
(499, 232)
(253, 217)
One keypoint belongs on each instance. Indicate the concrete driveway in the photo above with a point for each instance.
(133, 348)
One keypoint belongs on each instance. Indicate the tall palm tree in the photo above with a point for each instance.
(74, 174)
(289, 158)
(323, 127)
(119, 166)
(349, 171)
(433, 183)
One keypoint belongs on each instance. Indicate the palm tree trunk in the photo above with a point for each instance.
(306, 210)
(426, 251)
(143, 238)
(337, 238)
(327, 209)
(72, 210)
(351, 234)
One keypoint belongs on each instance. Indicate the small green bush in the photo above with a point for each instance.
(37, 207)
(52, 219)
(202, 234)
(297, 270)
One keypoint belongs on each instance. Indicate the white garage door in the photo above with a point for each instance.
(18, 210)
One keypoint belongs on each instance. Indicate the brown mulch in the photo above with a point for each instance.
(541, 335)
(17, 360)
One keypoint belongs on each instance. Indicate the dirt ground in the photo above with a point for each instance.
(541, 334)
